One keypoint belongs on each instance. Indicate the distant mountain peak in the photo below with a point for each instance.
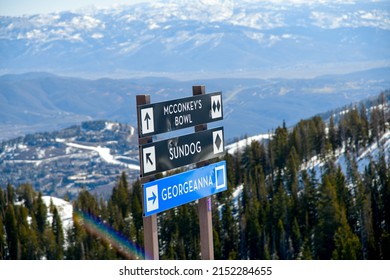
(196, 36)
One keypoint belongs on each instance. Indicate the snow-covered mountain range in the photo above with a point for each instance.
(222, 38)
(246, 49)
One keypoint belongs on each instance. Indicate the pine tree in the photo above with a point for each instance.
(2, 240)
(372, 185)
(28, 240)
(10, 194)
(50, 245)
(364, 211)
(279, 211)
(104, 215)
(216, 218)
(26, 194)
(37, 238)
(230, 233)
(188, 227)
(280, 145)
(320, 139)
(332, 134)
(280, 241)
(75, 249)
(295, 239)
(385, 245)
(136, 210)
(231, 176)
(118, 222)
(3, 203)
(40, 214)
(168, 234)
(345, 199)
(309, 216)
(12, 233)
(347, 244)
(363, 126)
(252, 228)
(58, 233)
(40, 218)
(121, 195)
(306, 250)
(292, 168)
(384, 185)
(328, 219)
(295, 142)
(382, 119)
(375, 127)
(87, 204)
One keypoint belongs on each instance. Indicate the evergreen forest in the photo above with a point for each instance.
(279, 205)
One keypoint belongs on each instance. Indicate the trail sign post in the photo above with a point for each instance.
(198, 147)
(204, 204)
(150, 222)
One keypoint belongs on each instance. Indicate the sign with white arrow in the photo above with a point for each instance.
(183, 150)
(179, 189)
(149, 159)
(180, 113)
(147, 117)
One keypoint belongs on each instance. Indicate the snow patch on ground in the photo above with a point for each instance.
(232, 148)
(373, 151)
(65, 210)
(105, 154)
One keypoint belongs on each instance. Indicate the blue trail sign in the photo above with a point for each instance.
(179, 189)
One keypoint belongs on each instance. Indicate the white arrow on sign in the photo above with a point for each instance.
(216, 106)
(152, 198)
(147, 120)
(149, 159)
(218, 144)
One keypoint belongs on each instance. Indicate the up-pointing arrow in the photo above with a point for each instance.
(147, 119)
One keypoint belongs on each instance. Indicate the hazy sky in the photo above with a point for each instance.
(20, 7)
(23, 7)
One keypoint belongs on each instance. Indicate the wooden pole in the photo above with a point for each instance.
(150, 222)
(204, 204)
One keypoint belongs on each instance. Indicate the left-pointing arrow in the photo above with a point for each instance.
(153, 197)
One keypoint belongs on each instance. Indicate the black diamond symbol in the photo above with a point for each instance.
(218, 141)
(216, 105)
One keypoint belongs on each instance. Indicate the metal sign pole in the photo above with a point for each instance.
(150, 222)
(204, 204)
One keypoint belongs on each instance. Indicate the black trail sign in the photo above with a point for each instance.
(183, 150)
(180, 113)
